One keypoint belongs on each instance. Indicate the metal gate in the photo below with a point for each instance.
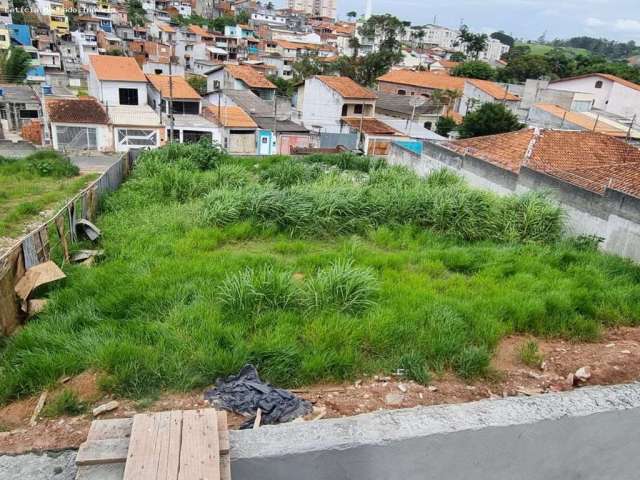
(76, 138)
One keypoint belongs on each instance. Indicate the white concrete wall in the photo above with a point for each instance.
(321, 106)
(104, 136)
(108, 92)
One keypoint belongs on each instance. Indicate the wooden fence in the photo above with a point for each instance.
(57, 233)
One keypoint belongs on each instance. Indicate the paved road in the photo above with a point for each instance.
(94, 163)
(45, 466)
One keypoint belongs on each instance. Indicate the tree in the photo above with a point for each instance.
(198, 83)
(352, 15)
(286, 88)
(503, 38)
(14, 65)
(473, 43)
(560, 64)
(489, 119)
(115, 52)
(388, 29)
(136, 13)
(354, 44)
(306, 67)
(445, 98)
(516, 52)
(523, 68)
(458, 57)
(270, 6)
(445, 126)
(242, 18)
(474, 69)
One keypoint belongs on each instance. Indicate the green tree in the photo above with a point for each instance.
(525, 67)
(503, 38)
(307, 67)
(198, 83)
(352, 15)
(516, 52)
(285, 86)
(475, 69)
(115, 52)
(458, 57)
(560, 64)
(354, 44)
(242, 18)
(474, 43)
(222, 21)
(136, 13)
(388, 29)
(14, 65)
(445, 126)
(489, 119)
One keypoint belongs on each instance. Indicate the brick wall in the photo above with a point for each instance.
(32, 132)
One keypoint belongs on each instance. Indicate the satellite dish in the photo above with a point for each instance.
(417, 101)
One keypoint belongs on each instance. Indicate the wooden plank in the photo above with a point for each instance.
(140, 459)
(225, 456)
(96, 452)
(223, 432)
(167, 449)
(200, 452)
(109, 429)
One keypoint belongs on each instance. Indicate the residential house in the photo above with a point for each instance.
(280, 137)
(78, 124)
(53, 14)
(87, 43)
(399, 112)
(18, 104)
(478, 92)
(136, 127)
(611, 94)
(241, 77)
(5, 37)
(109, 42)
(117, 80)
(409, 82)
(238, 130)
(5, 14)
(165, 89)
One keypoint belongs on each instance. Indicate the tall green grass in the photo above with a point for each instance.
(312, 278)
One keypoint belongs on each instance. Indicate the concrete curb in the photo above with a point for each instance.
(509, 438)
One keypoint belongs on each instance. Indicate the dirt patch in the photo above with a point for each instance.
(615, 359)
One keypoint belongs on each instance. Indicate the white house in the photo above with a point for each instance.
(79, 124)
(117, 80)
(163, 88)
(323, 101)
(240, 77)
(478, 92)
(611, 94)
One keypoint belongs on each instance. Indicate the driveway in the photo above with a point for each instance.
(94, 163)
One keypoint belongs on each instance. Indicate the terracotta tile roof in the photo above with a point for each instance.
(347, 88)
(198, 30)
(448, 63)
(180, 88)
(297, 45)
(493, 89)
(231, 117)
(430, 80)
(111, 68)
(166, 28)
(606, 76)
(250, 76)
(370, 126)
(76, 110)
(590, 160)
(581, 120)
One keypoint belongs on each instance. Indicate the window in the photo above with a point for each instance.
(158, 71)
(402, 92)
(2, 38)
(128, 96)
(428, 125)
(358, 109)
(345, 110)
(28, 114)
(599, 84)
(137, 138)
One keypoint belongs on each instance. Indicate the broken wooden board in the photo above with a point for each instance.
(41, 274)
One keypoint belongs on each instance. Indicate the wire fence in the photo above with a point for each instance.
(58, 234)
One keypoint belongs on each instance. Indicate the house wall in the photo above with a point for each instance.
(473, 98)
(104, 137)
(321, 106)
(614, 216)
(108, 92)
(388, 87)
(612, 97)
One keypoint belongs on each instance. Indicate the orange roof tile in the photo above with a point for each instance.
(370, 126)
(76, 110)
(111, 68)
(198, 30)
(232, 117)
(347, 88)
(166, 28)
(581, 120)
(250, 76)
(590, 160)
(180, 88)
(606, 76)
(493, 89)
(430, 80)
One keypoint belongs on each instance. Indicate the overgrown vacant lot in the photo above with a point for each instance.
(32, 185)
(315, 270)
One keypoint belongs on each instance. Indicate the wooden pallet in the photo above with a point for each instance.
(175, 445)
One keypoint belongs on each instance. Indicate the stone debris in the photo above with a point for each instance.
(402, 388)
(582, 374)
(105, 407)
(394, 399)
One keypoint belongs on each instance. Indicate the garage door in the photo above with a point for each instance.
(76, 138)
(242, 143)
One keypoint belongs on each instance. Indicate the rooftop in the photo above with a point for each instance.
(174, 86)
(250, 102)
(430, 80)
(118, 69)
(231, 117)
(134, 116)
(493, 89)
(606, 76)
(249, 75)
(370, 126)
(588, 121)
(392, 102)
(347, 88)
(76, 110)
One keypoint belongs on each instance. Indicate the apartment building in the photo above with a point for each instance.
(319, 8)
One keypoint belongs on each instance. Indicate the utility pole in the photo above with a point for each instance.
(631, 128)
(275, 121)
(171, 120)
(361, 141)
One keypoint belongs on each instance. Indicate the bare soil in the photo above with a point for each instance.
(613, 360)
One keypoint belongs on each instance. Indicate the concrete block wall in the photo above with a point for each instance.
(588, 434)
(614, 216)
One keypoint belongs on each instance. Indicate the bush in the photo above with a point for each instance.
(529, 354)
(342, 286)
(65, 403)
(48, 163)
(489, 119)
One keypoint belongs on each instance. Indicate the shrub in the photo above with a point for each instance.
(290, 172)
(343, 286)
(65, 403)
(48, 163)
(529, 354)
(415, 368)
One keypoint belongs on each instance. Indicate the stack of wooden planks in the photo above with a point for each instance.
(175, 445)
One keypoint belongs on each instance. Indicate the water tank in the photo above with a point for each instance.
(47, 90)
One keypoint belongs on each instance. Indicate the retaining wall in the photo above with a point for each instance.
(588, 434)
(613, 216)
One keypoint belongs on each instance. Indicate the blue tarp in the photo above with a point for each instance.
(412, 146)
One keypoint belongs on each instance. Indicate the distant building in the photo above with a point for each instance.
(319, 8)
(117, 80)
(478, 92)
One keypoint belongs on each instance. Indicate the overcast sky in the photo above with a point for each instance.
(614, 19)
